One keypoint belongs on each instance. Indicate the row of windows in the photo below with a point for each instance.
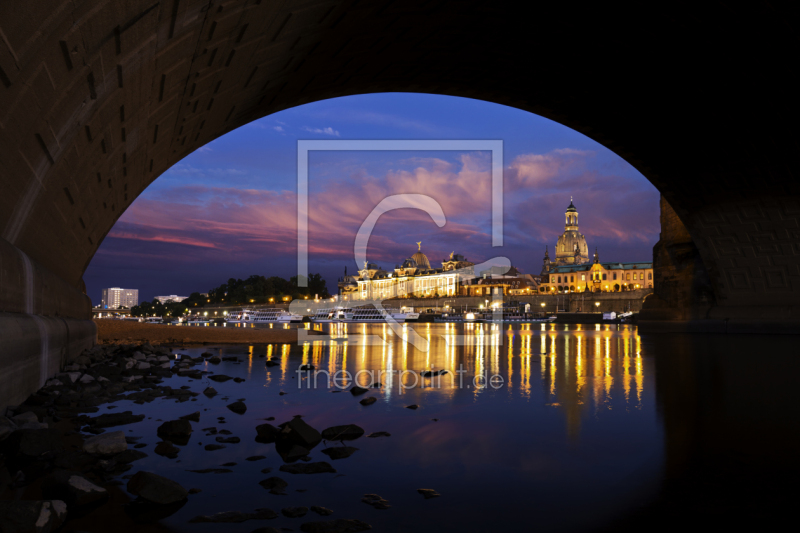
(596, 277)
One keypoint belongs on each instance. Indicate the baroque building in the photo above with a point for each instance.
(571, 248)
(413, 278)
(572, 272)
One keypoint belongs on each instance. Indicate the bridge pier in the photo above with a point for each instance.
(732, 268)
(44, 323)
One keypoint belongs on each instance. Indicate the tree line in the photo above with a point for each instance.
(253, 290)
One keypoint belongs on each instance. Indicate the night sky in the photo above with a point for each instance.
(229, 209)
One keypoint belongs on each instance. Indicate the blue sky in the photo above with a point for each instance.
(229, 208)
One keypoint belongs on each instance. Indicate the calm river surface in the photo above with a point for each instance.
(570, 436)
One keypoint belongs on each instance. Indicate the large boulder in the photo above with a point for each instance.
(348, 432)
(31, 516)
(156, 489)
(106, 444)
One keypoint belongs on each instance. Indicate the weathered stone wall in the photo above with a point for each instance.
(44, 322)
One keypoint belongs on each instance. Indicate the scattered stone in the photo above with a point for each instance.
(239, 380)
(7, 427)
(294, 512)
(356, 390)
(212, 471)
(307, 367)
(195, 491)
(213, 447)
(194, 417)
(156, 489)
(74, 489)
(271, 363)
(267, 433)
(27, 420)
(115, 419)
(339, 452)
(36, 442)
(140, 445)
(39, 516)
(322, 511)
(256, 458)
(219, 378)
(129, 456)
(368, 401)
(414, 406)
(210, 392)
(340, 525)
(215, 360)
(290, 452)
(375, 501)
(238, 407)
(167, 449)
(266, 470)
(229, 440)
(379, 434)
(308, 468)
(274, 484)
(267, 529)
(348, 432)
(175, 428)
(428, 493)
(206, 354)
(300, 433)
(229, 464)
(432, 373)
(235, 517)
(106, 444)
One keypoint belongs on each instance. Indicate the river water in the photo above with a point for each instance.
(545, 426)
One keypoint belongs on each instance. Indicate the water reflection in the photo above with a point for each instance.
(577, 370)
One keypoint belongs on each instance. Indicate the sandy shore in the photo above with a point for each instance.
(129, 332)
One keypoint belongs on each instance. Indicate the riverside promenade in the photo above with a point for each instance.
(129, 332)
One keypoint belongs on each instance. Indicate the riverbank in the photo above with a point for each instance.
(129, 332)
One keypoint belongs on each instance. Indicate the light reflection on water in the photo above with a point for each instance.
(570, 438)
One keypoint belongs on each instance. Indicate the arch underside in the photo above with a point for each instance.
(98, 98)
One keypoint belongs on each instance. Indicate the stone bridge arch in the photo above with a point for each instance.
(99, 97)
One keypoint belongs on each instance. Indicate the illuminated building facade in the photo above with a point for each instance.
(413, 278)
(597, 277)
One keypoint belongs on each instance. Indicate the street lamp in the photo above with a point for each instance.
(597, 304)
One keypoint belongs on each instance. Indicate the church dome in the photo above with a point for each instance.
(421, 260)
(571, 208)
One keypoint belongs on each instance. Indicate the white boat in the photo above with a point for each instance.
(363, 314)
(198, 321)
(263, 316)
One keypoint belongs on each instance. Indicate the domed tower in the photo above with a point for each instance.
(421, 259)
(571, 248)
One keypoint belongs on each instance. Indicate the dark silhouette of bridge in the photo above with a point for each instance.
(99, 98)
